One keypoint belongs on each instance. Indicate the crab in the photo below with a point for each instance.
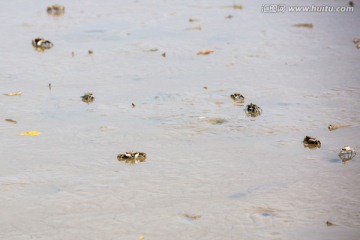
(132, 157)
(42, 44)
(253, 110)
(311, 142)
(347, 153)
(88, 97)
(237, 97)
(56, 10)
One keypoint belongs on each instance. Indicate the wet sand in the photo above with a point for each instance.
(241, 177)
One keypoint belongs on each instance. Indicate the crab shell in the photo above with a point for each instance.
(346, 155)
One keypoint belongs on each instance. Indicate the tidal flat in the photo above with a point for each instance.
(161, 73)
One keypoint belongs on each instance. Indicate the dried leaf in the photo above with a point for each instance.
(194, 28)
(304, 25)
(192, 216)
(18, 93)
(30, 133)
(205, 52)
(240, 7)
(193, 20)
(10, 120)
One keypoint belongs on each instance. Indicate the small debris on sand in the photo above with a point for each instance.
(10, 120)
(191, 216)
(30, 133)
(18, 93)
(216, 121)
(239, 7)
(303, 25)
(193, 20)
(330, 224)
(199, 28)
(205, 52)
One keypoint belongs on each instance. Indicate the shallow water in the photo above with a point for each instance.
(248, 178)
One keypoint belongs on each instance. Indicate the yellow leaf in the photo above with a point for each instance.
(30, 133)
(141, 238)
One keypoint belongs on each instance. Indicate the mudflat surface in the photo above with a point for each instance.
(211, 171)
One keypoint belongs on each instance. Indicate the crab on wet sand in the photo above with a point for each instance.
(88, 97)
(333, 127)
(132, 157)
(237, 97)
(253, 110)
(347, 153)
(311, 142)
(42, 44)
(56, 9)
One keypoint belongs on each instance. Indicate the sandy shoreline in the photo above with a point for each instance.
(211, 171)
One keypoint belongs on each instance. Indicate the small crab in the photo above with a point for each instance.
(311, 142)
(88, 97)
(237, 97)
(41, 44)
(253, 110)
(333, 127)
(347, 153)
(56, 10)
(132, 157)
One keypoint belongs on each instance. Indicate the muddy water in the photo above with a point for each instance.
(243, 178)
